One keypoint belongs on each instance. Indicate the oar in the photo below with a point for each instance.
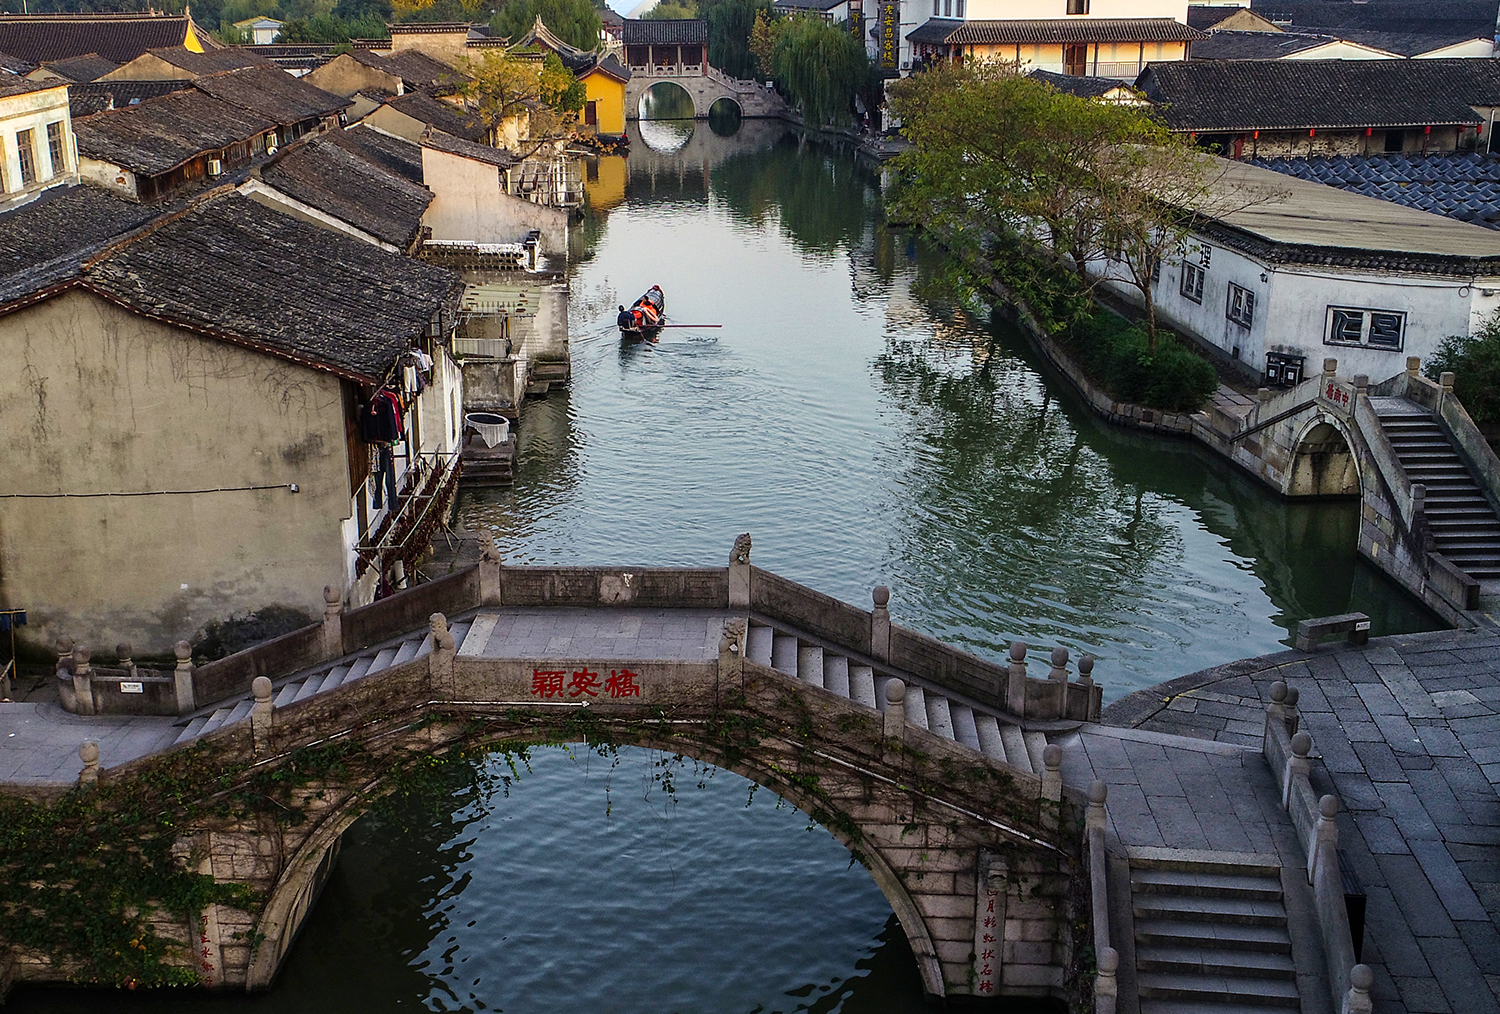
(658, 326)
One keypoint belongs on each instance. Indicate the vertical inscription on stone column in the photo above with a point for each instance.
(989, 922)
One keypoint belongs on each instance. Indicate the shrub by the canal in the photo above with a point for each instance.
(1474, 361)
(1118, 355)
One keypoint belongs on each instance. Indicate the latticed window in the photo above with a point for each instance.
(55, 147)
(1241, 305)
(1192, 282)
(1377, 329)
(27, 156)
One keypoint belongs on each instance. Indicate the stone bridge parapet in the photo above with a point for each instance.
(705, 87)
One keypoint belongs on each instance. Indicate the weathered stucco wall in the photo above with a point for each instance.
(99, 400)
(469, 204)
(344, 75)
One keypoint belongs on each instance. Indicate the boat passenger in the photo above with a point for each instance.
(626, 319)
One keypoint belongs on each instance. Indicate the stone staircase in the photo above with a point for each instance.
(1211, 935)
(991, 733)
(1463, 524)
(305, 684)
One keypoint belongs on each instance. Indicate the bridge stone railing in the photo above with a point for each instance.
(740, 586)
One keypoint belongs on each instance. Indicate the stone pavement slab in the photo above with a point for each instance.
(39, 741)
(1407, 733)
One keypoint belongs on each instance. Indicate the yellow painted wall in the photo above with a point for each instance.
(609, 98)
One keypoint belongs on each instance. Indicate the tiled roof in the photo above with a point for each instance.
(12, 85)
(215, 61)
(1243, 95)
(417, 69)
(241, 271)
(1470, 18)
(444, 116)
(97, 96)
(1465, 186)
(1255, 45)
(933, 31)
(117, 37)
(15, 65)
(394, 154)
(1205, 16)
(1077, 84)
(340, 183)
(161, 134)
(610, 66)
(272, 93)
(1409, 43)
(431, 28)
(81, 68)
(1054, 31)
(685, 32)
(441, 141)
(46, 241)
(807, 5)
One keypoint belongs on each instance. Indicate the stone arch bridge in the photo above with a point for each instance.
(933, 766)
(1427, 479)
(704, 85)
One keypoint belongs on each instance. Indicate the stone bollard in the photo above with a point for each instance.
(1057, 678)
(1052, 781)
(1293, 720)
(444, 648)
(333, 622)
(1296, 764)
(880, 624)
(1323, 861)
(262, 714)
(1361, 384)
(894, 726)
(1015, 684)
(1418, 501)
(1445, 381)
(1106, 983)
(1330, 369)
(489, 569)
(732, 649)
(1275, 712)
(83, 682)
(1357, 1000)
(65, 695)
(1413, 365)
(183, 676)
(1262, 394)
(1086, 680)
(739, 573)
(1097, 815)
(1059, 670)
(89, 754)
(123, 653)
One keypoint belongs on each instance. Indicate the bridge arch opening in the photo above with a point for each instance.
(667, 100)
(724, 117)
(1323, 463)
(739, 870)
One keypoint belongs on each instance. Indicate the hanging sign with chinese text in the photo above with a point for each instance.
(890, 26)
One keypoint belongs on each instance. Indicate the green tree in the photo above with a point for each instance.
(326, 29)
(1474, 361)
(821, 67)
(500, 85)
(1031, 186)
(671, 10)
(730, 23)
(576, 22)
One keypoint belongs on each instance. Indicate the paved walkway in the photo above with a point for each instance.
(1407, 732)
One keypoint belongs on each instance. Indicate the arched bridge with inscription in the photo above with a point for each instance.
(931, 765)
(704, 85)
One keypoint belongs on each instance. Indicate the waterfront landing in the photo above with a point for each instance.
(1406, 732)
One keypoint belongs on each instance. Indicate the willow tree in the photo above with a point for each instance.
(822, 67)
(1034, 187)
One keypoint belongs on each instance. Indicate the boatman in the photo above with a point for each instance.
(626, 319)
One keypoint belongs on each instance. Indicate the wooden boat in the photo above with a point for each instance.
(645, 317)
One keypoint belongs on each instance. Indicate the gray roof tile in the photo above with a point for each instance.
(341, 183)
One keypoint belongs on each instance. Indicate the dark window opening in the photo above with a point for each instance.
(1395, 140)
(1076, 59)
(27, 156)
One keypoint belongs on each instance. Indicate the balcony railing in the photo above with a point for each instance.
(401, 534)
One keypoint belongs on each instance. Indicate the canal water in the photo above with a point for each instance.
(866, 427)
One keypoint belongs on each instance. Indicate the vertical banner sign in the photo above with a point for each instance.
(857, 22)
(890, 23)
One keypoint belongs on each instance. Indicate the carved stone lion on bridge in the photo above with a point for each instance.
(741, 551)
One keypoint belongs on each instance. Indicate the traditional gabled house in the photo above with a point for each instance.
(149, 150)
(177, 62)
(488, 195)
(296, 107)
(393, 154)
(1101, 89)
(1225, 18)
(540, 38)
(212, 370)
(411, 114)
(1226, 45)
(37, 151)
(1249, 108)
(119, 38)
(15, 65)
(393, 74)
(101, 96)
(259, 31)
(604, 84)
(329, 185)
(75, 69)
(1092, 46)
(1433, 29)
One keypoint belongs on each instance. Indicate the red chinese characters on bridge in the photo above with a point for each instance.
(548, 683)
(1336, 395)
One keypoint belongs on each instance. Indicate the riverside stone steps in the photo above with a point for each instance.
(1211, 935)
(319, 679)
(1463, 524)
(991, 733)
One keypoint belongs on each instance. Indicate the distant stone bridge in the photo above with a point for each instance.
(930, 764)
(704, 86)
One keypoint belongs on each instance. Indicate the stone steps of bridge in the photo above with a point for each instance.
(327, 676)
(926, 707)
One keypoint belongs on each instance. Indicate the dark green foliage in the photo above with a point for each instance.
(821, 67)
(668, 10)
(1474, 361)
(576, 22)
(1118, 355)
(729, 24)
(331, 28)
(225, 637)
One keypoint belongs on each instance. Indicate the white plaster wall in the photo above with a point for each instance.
(1480, 49)
(1291, 309)
(1340, 51)
(1010, 10)
(469, 204)
(33, 111)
